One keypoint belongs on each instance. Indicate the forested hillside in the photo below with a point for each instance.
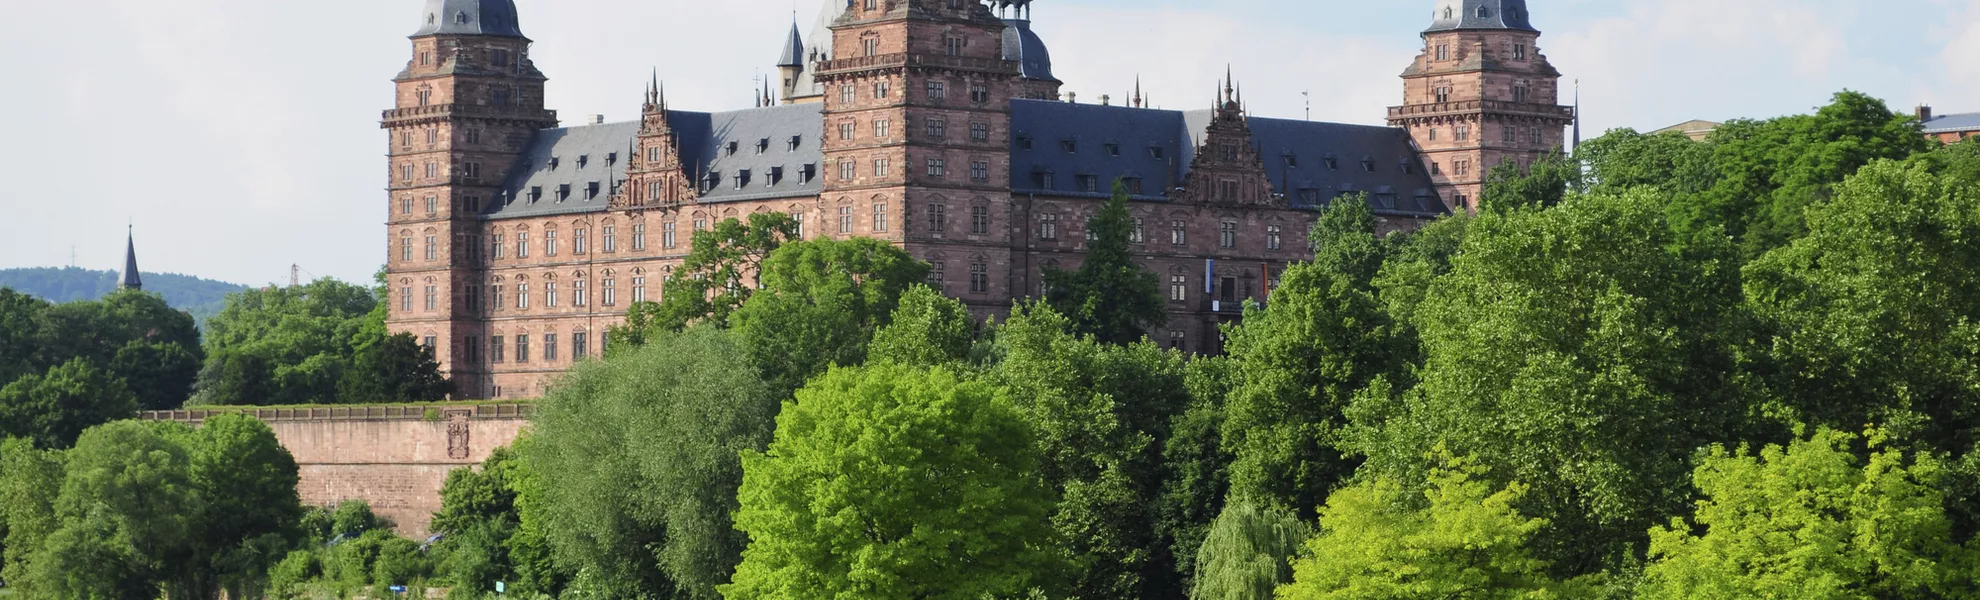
(201, 297)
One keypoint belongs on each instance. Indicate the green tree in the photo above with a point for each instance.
(54, 409)
(30, 483)
(1875, 315)
(1623, 159)
(478, 516)
(125, 513)
(393, 368)
(1462, 538)
(892, 482)
(928, 329)
(639, 460)
(820, 303)
(1813, 520)
(19, 316)
(1584, 350)
(1299, 362)
(160, 375)
(1247, 553)
(1197, 465)
(247, 506)
(1102, 414)
(291, 345)
(1109, 297)
(711, 282)
(1544, 183)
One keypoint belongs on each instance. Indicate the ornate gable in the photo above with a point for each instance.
(656, 178)
(1227, 169)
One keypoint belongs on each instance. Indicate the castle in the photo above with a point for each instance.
(936, 125)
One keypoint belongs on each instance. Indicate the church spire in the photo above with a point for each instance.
(130, 279)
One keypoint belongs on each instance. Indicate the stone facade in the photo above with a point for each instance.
(918, 143)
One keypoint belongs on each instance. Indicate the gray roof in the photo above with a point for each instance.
(562, 167)
(1480, 14)
(1024, 46)
(793, 54)
(130, 279)
(819, 49)
(1953, 123)
(469, 17)
(1157, 146)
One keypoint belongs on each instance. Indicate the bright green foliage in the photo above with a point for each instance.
(1298, 362)
(1247, 553)
(1770, 171)
(291, 345)
(30, 481)
(820, 303)
(892, 483)
(1102, 414)
(1813, 521)
(714, 280)
(1875, 315)
(1623, 159)
(530, 555)
(134, 336)
(639, 459)
(1378, 542)
(390, 368)
(1582, 350)
(1415, 260)
(1196, 464)
(54, 409)
(18, 316)
(928, 330)
(1110, 297)
(478, 516)
(1544, 183)
(125, 513)
(353, 518)
(247, 505)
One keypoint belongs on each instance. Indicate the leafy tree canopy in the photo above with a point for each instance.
(1110, 297)
(821, 303)
(715, 278)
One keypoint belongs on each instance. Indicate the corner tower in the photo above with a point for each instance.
(1480, 95)
(466, 104)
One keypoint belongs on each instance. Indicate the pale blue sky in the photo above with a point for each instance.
(241, 135)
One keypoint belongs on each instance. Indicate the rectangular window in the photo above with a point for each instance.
(639, 237)
(1178, 288)
(432, 247)
(578, 345)
(522, 244)
(1176, 337)
(1463, 133)
(1048, 227)
(846, 129)
(1271, 237)
(667, 235)
(882, 89)
(550, 347)
(1519, 51)
(1089, 183)
(953, 45)
(496, 352)
(882, 127)
(848, 93)
(979, 220)
(1443, 52)
(432, 298)
(979, 132)
(1136, 236)
(979, 171)
(938, 91)
(432, 204)
(882, 167)
(880, 218)
(578, 239)
(938, 219)
(611, 292)
(639, 289)
(1227, 235)
(847, 170)
(1178, 233)
(611, 239)
(979, 278)
(405, 205)
(522, 296)
(578, 292)
(845, 219)
(432, 170)
(405, 299)
(495, 297)
(938, 167)
(522, 348)
(550, 295)
(937, 278)
(405, 249)
(938, 128)
(979, 94)
(1442, 94)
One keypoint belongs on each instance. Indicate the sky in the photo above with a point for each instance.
(240, 137)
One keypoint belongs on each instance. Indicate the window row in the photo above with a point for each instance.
(499, 296)
(938, 168)
(523, 349)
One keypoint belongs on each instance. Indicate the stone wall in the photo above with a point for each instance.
(393, 457)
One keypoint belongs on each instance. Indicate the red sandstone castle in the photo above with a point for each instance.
(934, 124)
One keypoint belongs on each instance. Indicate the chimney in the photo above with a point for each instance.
(1924, 113)
(1072, 97)
(598, 119)
(1106, 100)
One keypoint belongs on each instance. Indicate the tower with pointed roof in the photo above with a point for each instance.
(1480, 95)
(467, 104)
(129, 279)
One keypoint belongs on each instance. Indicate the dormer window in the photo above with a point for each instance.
(733, 147)
(1484, 12)
(714, 179)
(1367, 164)
(1448, 14)
(742, 179)
(776, 175)
(1024, 142)
(563, 192)
(1292, 161)
(1332, 163)
(762, 146)
(612, 159)
(1113, 149)
(461, 18)
(591, 191)
(1157, 153)
(1404, 165)
(1070, 146)
(796, 140)
(535, 193)
(554, 161)
(583, 160)
(807, 173)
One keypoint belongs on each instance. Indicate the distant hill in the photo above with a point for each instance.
(201, 297)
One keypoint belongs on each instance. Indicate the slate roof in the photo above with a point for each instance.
(793, 54)
(1953, 123)
(574, 169)
(1158, 146)
(469, 17)
(1024, 46)
(130, 279)
(1465, 14)
(819, 49)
